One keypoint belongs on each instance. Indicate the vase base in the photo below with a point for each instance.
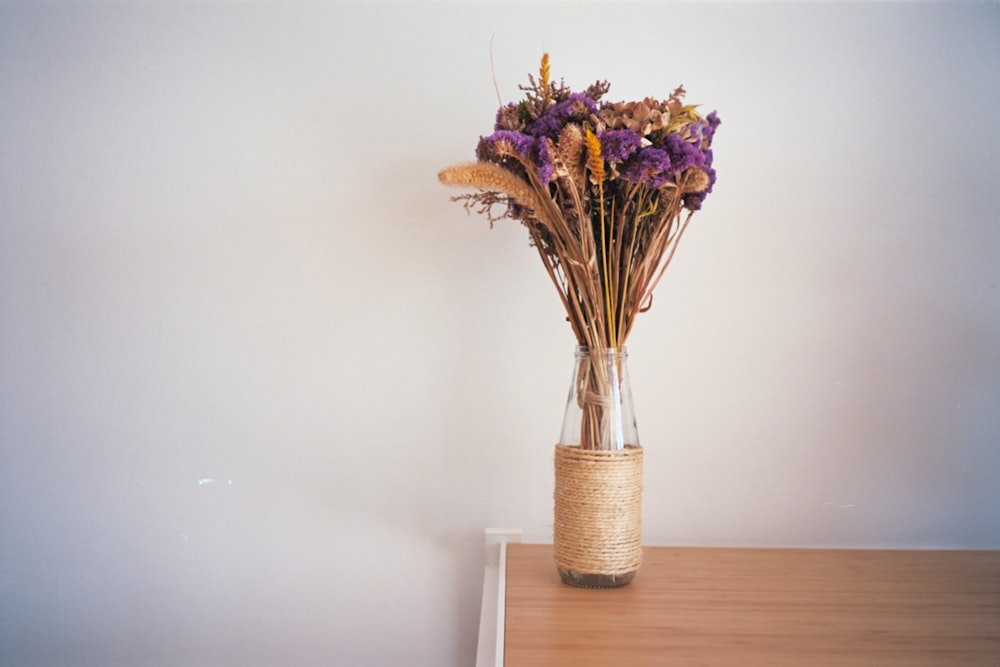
(589, 580)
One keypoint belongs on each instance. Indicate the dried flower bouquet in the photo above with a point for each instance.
(606, 190)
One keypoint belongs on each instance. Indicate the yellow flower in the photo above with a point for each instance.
(594, 161)
(543, 73)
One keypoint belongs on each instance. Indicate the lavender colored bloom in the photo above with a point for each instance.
(542, 160)
(535, 150)
(521, 143)
(650, 166)
(547, 125)
(683, 154)
(618, 145)
(713, 122)
(578, 107)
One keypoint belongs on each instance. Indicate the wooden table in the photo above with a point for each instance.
(773, 607)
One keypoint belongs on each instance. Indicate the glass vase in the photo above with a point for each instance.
(597, 528)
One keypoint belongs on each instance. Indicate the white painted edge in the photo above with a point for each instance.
(492, 613)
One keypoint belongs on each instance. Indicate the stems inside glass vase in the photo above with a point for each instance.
(599, 412)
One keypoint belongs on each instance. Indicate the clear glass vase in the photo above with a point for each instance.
(597, 531)
(599, 411)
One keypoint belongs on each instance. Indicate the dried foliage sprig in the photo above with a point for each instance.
(605, 189)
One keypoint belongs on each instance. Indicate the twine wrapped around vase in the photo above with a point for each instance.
(598, 510)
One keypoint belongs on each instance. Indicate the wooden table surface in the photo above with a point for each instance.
(773, 607)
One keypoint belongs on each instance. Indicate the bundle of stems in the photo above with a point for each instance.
(604, 246)
(605, 191)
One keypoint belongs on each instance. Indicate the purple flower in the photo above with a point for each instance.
(547, 125)
(521, 143)
(535, 150)
(543, 161)
(650, 166)
(709, 131)
(581, 106)
(578, 107)
(683, 154)
(618, 145)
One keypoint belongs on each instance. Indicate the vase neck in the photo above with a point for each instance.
(599, 412)
(608, 352)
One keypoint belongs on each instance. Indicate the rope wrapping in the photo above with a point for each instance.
(598, 510)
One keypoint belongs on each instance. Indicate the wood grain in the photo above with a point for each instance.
(746, 607)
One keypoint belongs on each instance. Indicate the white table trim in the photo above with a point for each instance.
(492, 612)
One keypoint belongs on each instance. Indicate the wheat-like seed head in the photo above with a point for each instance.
(569, 150)
(543, 74)
(594, 161)
(488, 176)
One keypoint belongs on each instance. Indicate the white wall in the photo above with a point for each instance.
(262, 386)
